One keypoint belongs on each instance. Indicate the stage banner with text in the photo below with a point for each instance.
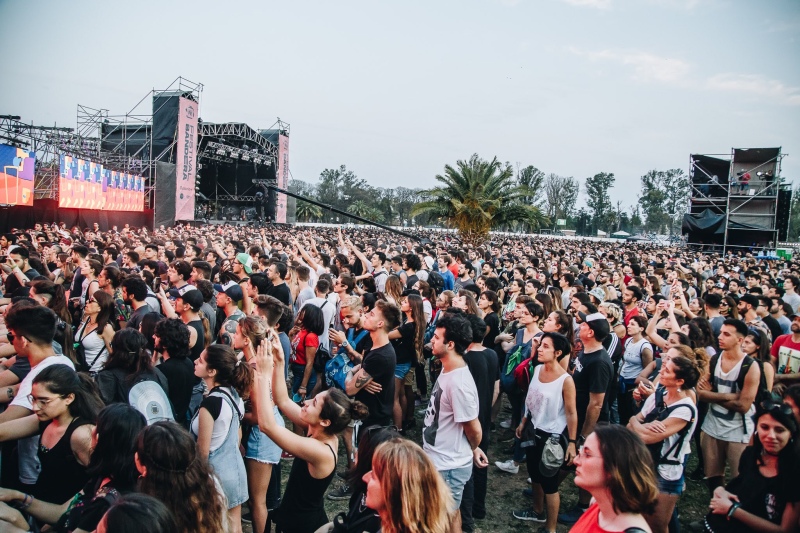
(16, 175)
(186, 159)
(282, 177)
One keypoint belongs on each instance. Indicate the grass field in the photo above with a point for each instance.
(505, 490)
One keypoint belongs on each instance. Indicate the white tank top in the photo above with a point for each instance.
(724, 424)
(545, 403)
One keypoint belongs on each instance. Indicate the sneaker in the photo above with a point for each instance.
(247, 518)
(528, 493)
(342, 493)
(507, 466)
(506, 424)
(529, 481)
(530, 515)
(571, 516)
(286, 455)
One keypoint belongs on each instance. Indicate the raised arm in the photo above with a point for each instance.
(652, 334)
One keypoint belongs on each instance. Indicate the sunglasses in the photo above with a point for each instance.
(10, 336)
(771, 406)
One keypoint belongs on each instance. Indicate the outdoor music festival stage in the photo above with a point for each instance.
(157, 164)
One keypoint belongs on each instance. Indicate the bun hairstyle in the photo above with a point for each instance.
(560, 344)
(688, 370)
(340, 410)
(698, 355)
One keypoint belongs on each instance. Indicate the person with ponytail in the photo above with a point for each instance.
(322, 418)
(173, 471)
(665, 424)
(261, 453)
(111, 470)
(93, 339)
(52, 296)
(65, 406)
(216, 425)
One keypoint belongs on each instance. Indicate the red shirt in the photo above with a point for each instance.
(632, 313)
(589, 522)
(787, 353)
(303, 340)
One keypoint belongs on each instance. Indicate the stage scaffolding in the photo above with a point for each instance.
(738, 199)
(133, 150)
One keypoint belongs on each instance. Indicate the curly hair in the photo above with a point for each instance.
(175, 474)
(173, 336)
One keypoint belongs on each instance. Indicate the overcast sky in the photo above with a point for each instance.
(396, 90)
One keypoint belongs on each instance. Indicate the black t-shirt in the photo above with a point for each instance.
(364, 345)
(282, 293)
(179, 372)
(380, 364)
(493, 321)
(137, 316)
(773, 325)
(764, 497)
(593, 374)
(404, 346)
(482, 365)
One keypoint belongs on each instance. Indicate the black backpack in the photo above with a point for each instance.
(762, 393)
(661, 412)
(436, 281)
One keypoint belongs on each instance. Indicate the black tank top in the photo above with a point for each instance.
(61, 476)
(200, 343)
(302, 509)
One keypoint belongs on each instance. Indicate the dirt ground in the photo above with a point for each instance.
(505, 490)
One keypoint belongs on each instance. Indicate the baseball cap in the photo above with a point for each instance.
(599, 324)
(232, 290)
(244, 259)
(193, 298)
(749, 299)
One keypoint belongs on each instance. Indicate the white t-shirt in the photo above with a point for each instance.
(674, 472)
(29, 466)
(217, 404)
(453, 402)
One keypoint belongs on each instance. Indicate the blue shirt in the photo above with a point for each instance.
(449, 279)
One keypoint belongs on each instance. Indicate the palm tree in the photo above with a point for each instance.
(359, 208)
(307, 212)
(478, 196)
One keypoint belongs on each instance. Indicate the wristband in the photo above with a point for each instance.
(572, 441)
(733, 508)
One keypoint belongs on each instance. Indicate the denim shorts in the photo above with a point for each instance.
(260, 448)
(401, 369)
(674, 488)
(456, 479)
(297, 378)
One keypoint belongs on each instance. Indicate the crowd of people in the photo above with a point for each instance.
(156, 381)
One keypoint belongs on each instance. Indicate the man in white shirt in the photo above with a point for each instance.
(31, 331)
(452, 430)
(328, 309)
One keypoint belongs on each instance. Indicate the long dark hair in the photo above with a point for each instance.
(106, 303)
(369, 439)
(418, 316)
(312, 319)
(179, 477)
(128, 353)
(58, 300)
(118, 426)
(63, 381)
(134, 513)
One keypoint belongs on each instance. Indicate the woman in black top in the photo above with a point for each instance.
(765, 495)
(111, 471)
(407, 341)
(490, 304)
(66, 405)
(323, 417)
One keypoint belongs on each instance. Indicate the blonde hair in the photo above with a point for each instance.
(417, 499)
(352, 302)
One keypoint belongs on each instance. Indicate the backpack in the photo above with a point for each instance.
(514, 357)
(337, 368)
(661, 412)
(761, 394)
(148, 397)
(436, 281)
(323, 355)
